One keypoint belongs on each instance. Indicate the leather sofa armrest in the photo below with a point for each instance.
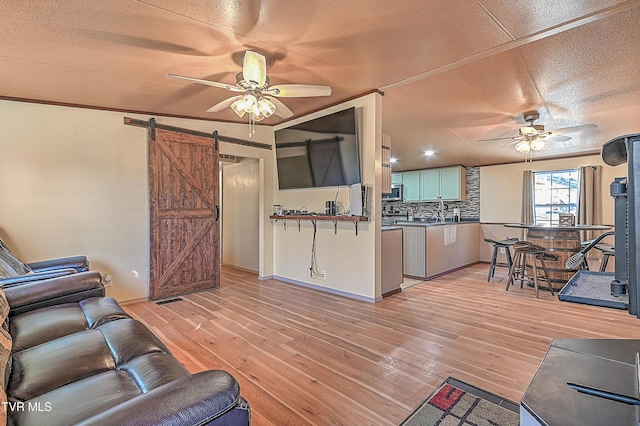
(192, 400)
(54, 291)
(79, 263)
(44, 275)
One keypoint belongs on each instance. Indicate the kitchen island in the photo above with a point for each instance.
(431, 249)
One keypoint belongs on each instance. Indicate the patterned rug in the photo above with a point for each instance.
(458, 403)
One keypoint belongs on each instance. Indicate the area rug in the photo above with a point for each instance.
(457, 403)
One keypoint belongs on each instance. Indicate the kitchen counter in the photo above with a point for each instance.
(418, 222)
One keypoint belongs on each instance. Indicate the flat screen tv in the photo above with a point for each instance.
(320, 152)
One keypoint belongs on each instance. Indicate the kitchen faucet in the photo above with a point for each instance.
(440, 213)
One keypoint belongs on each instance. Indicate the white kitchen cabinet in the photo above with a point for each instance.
(411, 185)
(429, 184)
(447, 184)
(452, 183)
(396, 177)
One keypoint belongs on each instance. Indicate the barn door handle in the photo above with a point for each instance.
(217, 212)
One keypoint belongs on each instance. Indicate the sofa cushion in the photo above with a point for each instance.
(96, 369)
(76, 401)
(42, 325)
(129, 338)
(153, 370)
(57, 363)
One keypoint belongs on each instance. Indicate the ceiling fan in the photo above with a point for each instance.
(534, 137)
(257, 97)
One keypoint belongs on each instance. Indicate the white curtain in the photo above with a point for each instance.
(527, 212)
(590, 198)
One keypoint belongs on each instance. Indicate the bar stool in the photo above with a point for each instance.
(585, 261)
(496, 247)
(524, 252)
(607, 251)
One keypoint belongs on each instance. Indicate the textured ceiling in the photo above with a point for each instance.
(452, 72)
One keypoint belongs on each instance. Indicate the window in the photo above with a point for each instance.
(555, 192)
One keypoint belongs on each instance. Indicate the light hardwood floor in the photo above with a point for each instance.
(308, 357)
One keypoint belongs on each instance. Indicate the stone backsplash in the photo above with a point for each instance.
(469, 209)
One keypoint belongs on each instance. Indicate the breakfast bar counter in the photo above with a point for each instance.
(562, 241)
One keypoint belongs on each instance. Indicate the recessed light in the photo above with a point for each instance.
(393, 160)
(429, 153)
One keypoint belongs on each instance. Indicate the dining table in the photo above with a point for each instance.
(563, 241)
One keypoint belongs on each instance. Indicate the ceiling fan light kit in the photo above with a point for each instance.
(533, 137)
(258, 101)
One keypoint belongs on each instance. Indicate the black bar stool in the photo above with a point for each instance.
(607, 251)
(520, 268)
(494, 257)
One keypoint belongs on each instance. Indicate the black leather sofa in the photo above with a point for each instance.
(78, 358)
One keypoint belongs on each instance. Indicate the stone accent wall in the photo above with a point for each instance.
(469, 209)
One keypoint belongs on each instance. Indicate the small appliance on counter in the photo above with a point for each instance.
(456, 214)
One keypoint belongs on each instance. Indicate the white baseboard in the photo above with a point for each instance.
(328, 290)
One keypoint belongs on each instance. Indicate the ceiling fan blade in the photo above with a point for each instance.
(208, 83)
(573, 129)
(282, 110)
(299, 90)
(224, 104)
(500, 139)
(552, 137)
(254, 68)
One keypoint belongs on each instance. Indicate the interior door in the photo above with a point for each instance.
(184, 213)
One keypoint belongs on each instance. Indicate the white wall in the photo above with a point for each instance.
(501, 186)
(74, 181)
(351, 262)
(240, 219)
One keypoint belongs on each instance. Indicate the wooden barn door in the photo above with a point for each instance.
(183, 185)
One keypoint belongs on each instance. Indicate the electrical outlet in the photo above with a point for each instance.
(106, 280)
(322, 275)
(501, 250)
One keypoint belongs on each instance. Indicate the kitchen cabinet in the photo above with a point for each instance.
(468, 244)
(396, 177)
(411, 185)
(392, 264)
(442, 249)
(452, 183)
(447, 184)
(429, 185)
(414, 251)
(432, 250)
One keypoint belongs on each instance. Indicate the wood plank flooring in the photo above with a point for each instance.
(308, 357)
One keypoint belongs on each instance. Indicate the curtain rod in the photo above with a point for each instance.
(153, 124)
